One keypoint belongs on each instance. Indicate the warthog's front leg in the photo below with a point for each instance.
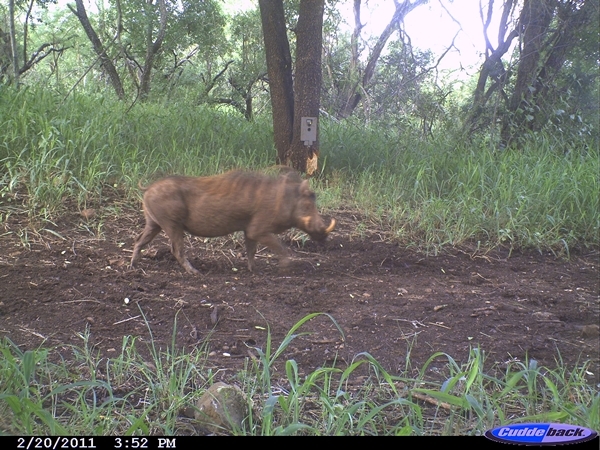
(274, 244)
(250, 251)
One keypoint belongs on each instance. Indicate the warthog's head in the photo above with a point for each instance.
(308, 218)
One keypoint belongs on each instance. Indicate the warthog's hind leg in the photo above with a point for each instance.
(175, 234)
(142, 239)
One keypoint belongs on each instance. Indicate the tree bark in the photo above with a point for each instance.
(535, 20)
(13, 42)
(279, 68)
(293, 99)
(549, 31)
(26, 29)
(105, 61)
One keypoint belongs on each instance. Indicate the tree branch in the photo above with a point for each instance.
(402, 9)
(39, 55)
(105, 61)
(211, 84)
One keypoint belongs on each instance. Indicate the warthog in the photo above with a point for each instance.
(259, 205)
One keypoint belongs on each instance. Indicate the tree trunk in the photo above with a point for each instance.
(152, 48)
(492, 67)
(352, 79)
(535, 20)
(549, 31)
(26, 29)
(105, 61)
(292, 100)
(562, 39)
(307, 82)
(279, 68)
(13, 42)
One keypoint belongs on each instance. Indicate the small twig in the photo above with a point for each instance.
(324, 341)
(439, 325)
(431, 401)
(26, 330)
(406, 337)
(351, 276)
(225, 255)
(93, 300)
(126, 320)
(252, 355)
(575, 344)
(412, 321)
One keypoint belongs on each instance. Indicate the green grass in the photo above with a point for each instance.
(435, 194)
(426, 195)
(41, 393)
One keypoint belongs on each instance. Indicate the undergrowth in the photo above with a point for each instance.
(41, 393)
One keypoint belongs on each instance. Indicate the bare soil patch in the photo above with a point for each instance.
(390, 302)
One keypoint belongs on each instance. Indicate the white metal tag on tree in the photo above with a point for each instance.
(308, 130)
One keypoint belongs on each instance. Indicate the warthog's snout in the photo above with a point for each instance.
(319, 232)
(256, 204)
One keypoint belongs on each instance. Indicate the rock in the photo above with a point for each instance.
(590, 331)
(544, 316)
(88, 213)
(222, 408)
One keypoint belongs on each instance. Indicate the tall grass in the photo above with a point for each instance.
(426, 194)
(431, 194)
(53, 148)
(130, 394)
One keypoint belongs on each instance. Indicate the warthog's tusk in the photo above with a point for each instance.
(331, 226)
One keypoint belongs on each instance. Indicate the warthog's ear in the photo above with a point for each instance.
(304, 188)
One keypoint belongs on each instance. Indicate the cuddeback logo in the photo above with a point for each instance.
(540, 433)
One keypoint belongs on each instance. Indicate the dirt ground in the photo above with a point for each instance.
(390, 302)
